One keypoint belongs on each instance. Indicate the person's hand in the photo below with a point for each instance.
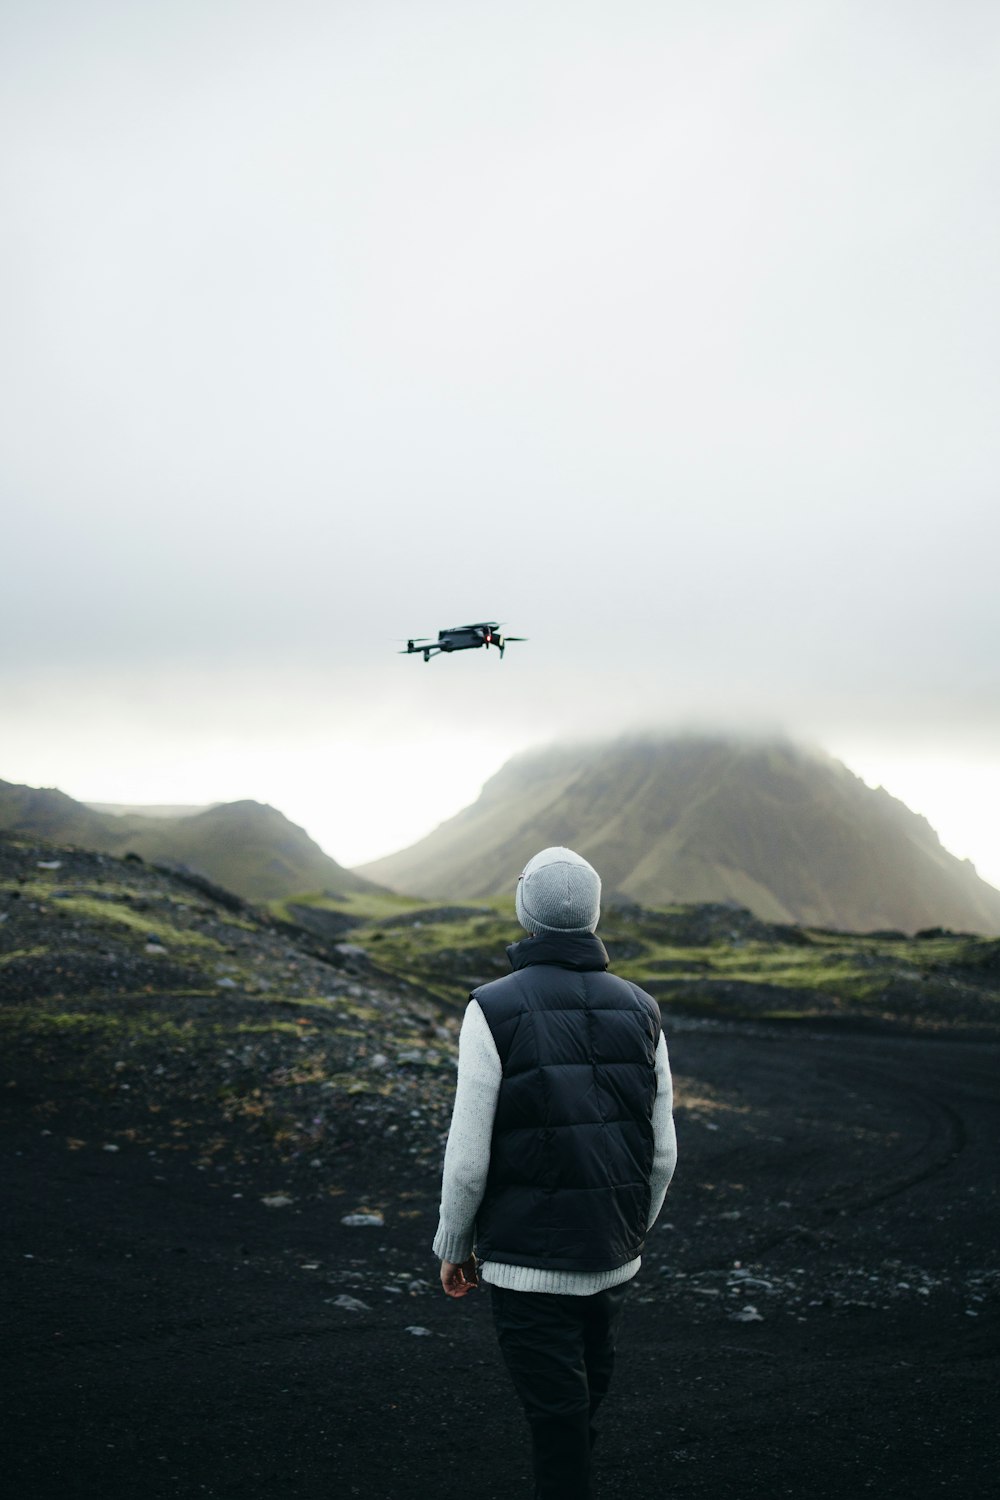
(458, 1280)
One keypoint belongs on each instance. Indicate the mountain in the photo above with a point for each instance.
(786, 831)
(248, 847)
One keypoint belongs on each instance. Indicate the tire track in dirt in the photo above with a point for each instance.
(856, 1131)
(946, 1137)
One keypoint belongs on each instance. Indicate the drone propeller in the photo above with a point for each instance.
(503, 641)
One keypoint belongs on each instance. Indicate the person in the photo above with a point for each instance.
(559, 1155)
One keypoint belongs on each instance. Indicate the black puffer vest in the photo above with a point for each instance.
(572, 1148)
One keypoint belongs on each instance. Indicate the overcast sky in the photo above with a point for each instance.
(665, 332)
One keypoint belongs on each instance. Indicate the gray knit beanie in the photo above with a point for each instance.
(558, 892)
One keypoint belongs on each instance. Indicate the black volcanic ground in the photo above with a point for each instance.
(189, 1314)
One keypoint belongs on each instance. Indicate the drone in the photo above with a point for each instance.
(462, 638)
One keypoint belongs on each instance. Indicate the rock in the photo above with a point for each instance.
(318, 921)
(277, 1200)
(747, 1314)
(158, 948)
(362, 1220)
(49, 864)
(379, 1061)
(110, 1148)
(351, 1304)
(418, 1332)
(225, 984)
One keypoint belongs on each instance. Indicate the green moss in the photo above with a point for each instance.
(41, 1023)
(255, 1028)
(418, 954)
(842, 965)
(18, 954)
(31, 890)
(351, 1008)
(149, 1026)
(846, 967)
(370, 906)
(787, 1015)
(114, 913)
(355, 1083)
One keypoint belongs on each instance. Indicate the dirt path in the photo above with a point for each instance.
(817, 1313)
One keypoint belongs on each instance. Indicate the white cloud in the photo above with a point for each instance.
(664, 333)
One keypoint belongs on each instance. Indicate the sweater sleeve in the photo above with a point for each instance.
(664, 1134)
(467, 1154)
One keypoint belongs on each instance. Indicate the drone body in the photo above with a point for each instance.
(461, 638)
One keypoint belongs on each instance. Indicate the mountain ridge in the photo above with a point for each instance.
(783, 829)
(248, 847)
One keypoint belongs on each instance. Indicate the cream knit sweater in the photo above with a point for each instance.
(467, 1161)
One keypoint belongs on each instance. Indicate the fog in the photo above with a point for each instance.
(664, 333)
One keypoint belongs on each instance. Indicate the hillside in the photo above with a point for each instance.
(249, 847)
(788, 832)
(80, 925)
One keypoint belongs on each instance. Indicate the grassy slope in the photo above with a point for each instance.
(714, 961)
(118, 976)
(99, 927)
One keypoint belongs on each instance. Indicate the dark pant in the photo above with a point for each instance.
(560, 1351)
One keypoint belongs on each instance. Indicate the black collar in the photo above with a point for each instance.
(569, 950)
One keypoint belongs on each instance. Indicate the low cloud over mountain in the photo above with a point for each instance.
(788, 832)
